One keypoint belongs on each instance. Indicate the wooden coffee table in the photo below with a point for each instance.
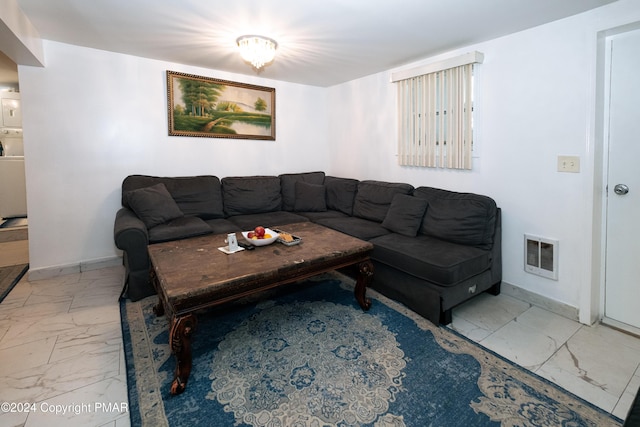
(192, 274)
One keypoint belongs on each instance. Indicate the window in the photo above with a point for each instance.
(435, 108)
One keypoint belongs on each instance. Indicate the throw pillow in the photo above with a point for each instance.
(405, 215)
(288, 186)
(153, 205)
(310, 198)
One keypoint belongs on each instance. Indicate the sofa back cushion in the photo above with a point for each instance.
(199, 196)
(340, 193)
(310, 197)
(374, 198)
(464, 218)
(251, 194)
(288, 186)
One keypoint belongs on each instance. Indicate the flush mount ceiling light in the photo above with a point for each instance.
(257, 50)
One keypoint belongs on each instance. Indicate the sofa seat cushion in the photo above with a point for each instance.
(153, 205)
(374, 198)
(464, 218)
(356, 227)
(199, 196)
(437, 261)
(222, 226)
(288, 182)
(179, 228)
(267, 219)
(317, 216)
(251, 194)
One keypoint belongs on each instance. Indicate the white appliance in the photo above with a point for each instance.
(11, 112)
(13, 188)
(11, 139)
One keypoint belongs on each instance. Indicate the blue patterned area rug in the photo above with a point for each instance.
(307, 355)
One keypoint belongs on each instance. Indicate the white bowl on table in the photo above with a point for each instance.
(261, 242)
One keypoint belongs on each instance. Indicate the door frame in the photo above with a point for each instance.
(600, 176)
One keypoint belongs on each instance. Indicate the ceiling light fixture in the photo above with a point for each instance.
(257, 50)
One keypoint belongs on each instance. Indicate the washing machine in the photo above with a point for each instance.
(13, 188)
(11, 139)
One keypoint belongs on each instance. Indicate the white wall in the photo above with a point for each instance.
(537, 97)
(93, 117)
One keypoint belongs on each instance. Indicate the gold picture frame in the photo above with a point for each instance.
(207, 107)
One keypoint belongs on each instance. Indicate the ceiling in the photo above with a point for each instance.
(321, 43)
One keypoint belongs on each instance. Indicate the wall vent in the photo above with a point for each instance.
(541, 256)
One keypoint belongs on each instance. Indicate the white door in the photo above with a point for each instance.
(622, 286)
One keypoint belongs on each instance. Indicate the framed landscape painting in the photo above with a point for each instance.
(207, 107)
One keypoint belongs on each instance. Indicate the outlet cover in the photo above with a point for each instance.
(569, 164)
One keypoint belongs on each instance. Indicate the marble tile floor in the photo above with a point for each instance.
(61, 352)
(61, 349)
(596, 363)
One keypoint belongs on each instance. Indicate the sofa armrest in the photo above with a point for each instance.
(496, 250)
(130, 234)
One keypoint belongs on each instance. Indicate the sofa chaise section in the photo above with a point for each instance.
(456, 254)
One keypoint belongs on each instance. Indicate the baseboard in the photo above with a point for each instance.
(541, 301)
(63, 270)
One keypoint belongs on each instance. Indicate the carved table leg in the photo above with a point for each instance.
(158, 309)
(180, 341)
(365, 275)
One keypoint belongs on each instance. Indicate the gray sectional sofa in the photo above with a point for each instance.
(433, 248)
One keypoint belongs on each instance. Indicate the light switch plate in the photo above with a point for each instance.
(569, 164)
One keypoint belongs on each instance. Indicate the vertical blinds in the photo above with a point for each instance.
(435, 118)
